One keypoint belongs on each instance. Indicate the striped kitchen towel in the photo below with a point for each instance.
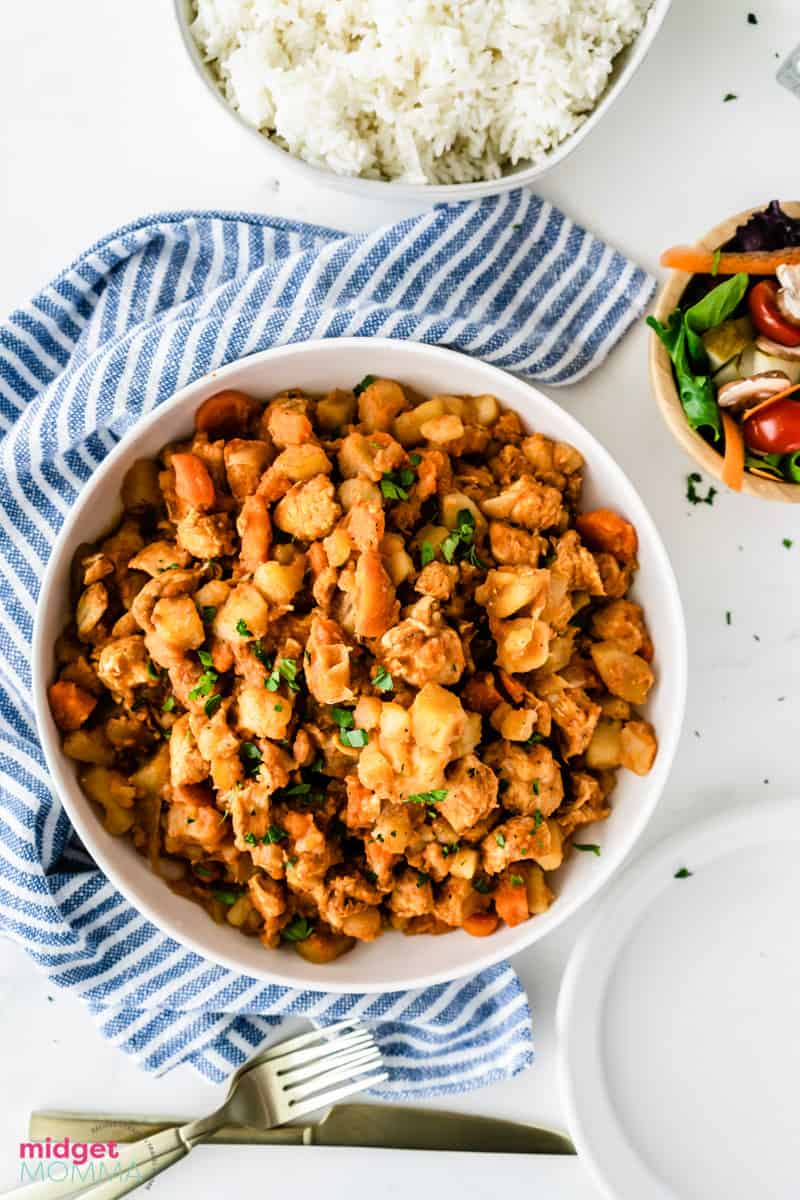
(140, 314)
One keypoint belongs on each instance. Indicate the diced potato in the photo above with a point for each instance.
(539, 895)
(239, 911)
(365, 925)
(338, 547)
(464, 863)
(367, 713)
(177, 622)
(322, 948)
(454, 404)
(358, 491)
(336, 409)
(522, 644)
(397, 560)
(112, 791)
(140, 489)
(153, 776)
(625, 675)
(244, 614)
(264, 713)
(454, 503)
(554, 857)
(484, 410)
(91, 609)
(614, 707)
(508, 589)
(514, 724)
(278, 582)
(604, 750)
(299, 463)
(444, 429)
(638, 747)
(407, 426)
(89, 746)
(437, 717)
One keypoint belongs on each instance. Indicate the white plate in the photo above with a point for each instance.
(677, 1019)
(393, 961)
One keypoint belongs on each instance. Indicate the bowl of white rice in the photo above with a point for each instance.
(437, 99)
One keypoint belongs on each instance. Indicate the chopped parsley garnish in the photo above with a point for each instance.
(382, 680)
(462, 538)
(537, 787)
(241, 628)
(365, 383)
(202, 871)
(533, 740)
(500, 839)
(286, 669)
(482, 885)
(298, 929)
(395, 484)
(537, 819)
(208, 612)
(168, 704)
(516, 880)
(692, 494)
(422, 878)
(788, 543)
(415, 459)
(427, 553)
(225, 896)
(190, 820)
(250, 838)
(261, 654)
(152, 670)
(212, 704)
(683, 873)
(274, 834)
(205, 658)
(278, 707)
(427, 797)
(589, 847)
(348, 735)
(250, 756)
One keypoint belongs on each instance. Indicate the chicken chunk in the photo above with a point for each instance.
(412, 895)
(518, 839)
(530, 778)
(206, 535)
(471, 793)
(514, 546)
(245, 463)
(458, 900)
(534, 506)
(437, 580)
(309, 510)
(622, 621)
(124, 665)
(423, 648)
(193, 820)
(327, 662)
(158, 557)
(578, 565)
(186, 763)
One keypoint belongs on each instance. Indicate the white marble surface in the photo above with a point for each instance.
(103, 121)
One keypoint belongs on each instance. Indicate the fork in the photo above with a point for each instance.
(286, 1081)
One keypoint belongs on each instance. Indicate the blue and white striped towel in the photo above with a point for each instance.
(140, 314)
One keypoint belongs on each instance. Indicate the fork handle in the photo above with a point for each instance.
(136, 1163)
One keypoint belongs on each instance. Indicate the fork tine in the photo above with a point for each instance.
(337, 1075)
(311, 1070)
(299, 1108)
(350, 1041)
(306, 1039)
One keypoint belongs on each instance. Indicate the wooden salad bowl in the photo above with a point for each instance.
(663, 380)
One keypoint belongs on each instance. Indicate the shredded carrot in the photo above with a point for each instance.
(733, 466)
(771, 400)
(752, 262)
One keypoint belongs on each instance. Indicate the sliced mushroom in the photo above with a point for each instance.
(788, 297)
(744, 393)
(776, 350)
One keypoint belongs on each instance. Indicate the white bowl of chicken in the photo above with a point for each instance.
(355, 640)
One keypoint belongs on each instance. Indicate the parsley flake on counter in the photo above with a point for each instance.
(683, 873)
(728, 616)
(692, 494)
(788, 543)
(589, 847)
(297, 930)
(382, 680)
(729, 96)
(752, 19)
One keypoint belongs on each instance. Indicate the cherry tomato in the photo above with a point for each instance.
(776, 429)
(768, 318)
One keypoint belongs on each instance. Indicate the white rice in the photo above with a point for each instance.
(436, 91)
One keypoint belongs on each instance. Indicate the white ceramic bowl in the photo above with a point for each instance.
(625, 65)
(393, 961)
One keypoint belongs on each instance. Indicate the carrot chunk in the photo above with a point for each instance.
(733, 465)
(752, 262)
(481, 924)
(225, 414)
(193, 484)
(511, 901)
(606, 530)
(70, 705)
